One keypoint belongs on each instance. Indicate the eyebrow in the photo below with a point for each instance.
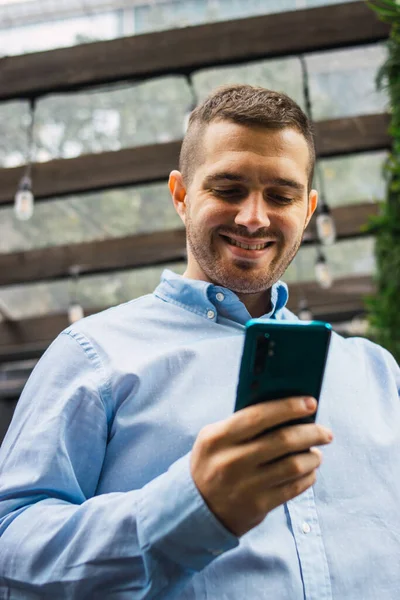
(235, 177)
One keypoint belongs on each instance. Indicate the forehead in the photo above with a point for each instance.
(254, 149)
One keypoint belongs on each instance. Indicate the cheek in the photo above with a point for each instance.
(210, 215)
(292, 226)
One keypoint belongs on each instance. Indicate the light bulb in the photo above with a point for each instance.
(358, 327)
(304, 312)
(323, 272)
(75, 313)
(24, 201)
(326, 229)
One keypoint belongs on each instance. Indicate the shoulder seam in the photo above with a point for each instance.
(104, 390)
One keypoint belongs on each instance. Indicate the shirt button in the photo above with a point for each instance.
(220, 296)
(210, 314)
(306, 528)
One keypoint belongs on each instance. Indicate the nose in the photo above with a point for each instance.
(253, 213)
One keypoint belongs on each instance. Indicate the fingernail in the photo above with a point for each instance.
(310, 403)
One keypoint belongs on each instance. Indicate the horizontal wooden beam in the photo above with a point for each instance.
(139, 250)
(92, 172)
(335, 137)
(93, 257)
(35, 332)
(187, 49)
(146, 164)
(346, 296)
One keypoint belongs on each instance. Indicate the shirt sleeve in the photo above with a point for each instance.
(57, 538)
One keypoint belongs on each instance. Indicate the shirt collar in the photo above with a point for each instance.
(211, 301)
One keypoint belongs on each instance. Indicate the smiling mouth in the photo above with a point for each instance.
(247, 246)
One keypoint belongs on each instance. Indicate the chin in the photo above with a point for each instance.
(243, 278)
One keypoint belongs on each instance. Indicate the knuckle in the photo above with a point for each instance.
(207, 437)
(285, 437)
(296, 466)
(253, 415)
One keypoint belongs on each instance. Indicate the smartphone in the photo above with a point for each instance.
(282, 359)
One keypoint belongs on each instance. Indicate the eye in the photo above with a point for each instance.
(280, 199)
(228, 193)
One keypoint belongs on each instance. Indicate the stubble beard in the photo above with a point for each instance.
(240, 276)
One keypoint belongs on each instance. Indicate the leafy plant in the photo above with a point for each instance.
(384, 307)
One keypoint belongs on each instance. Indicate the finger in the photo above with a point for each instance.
(254, 420)
(289, 469)
(286, 440)
(281, 494)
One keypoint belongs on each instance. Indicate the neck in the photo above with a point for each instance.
(257, 304)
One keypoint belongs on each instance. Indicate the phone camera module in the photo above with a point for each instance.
(262, 350)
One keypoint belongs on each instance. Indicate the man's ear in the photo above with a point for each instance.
(312, 205)
(178, 193)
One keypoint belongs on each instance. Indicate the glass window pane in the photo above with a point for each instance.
(346, 258)
(111, 118)
(279, 74)
(58, 33)
(169, 15)
(95, 291)
(343, 82)
(14, 120)
(354, 179)
(88, 217)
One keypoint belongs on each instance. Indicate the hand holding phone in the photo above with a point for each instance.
(242, 475)
(264, 454)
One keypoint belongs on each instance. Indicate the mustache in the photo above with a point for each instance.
(242, 231)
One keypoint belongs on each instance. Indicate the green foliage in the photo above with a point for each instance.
(384, 313)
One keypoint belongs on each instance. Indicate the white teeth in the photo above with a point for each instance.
(248, 246)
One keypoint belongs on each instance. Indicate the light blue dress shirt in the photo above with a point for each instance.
(96, 496)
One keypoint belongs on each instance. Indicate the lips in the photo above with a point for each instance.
(248, 245)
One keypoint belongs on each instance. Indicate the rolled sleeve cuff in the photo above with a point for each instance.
(175, 520)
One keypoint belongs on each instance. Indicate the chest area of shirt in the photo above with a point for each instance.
(177, 391)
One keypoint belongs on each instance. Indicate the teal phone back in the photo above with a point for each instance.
(282, 359)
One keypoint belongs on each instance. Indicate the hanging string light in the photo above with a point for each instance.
(24, 200)
(325, 223)
(75, 310)
(304, 311)
(323, 272)
(192, 105)
(326, 229)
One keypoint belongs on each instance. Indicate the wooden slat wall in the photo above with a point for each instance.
(145, 164)
(140, 250)
(190, 48)
(164, 53)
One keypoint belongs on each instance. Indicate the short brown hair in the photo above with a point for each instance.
(247, 105)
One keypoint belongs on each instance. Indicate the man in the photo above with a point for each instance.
(125, 473)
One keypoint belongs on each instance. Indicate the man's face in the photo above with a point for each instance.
(247, 205)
